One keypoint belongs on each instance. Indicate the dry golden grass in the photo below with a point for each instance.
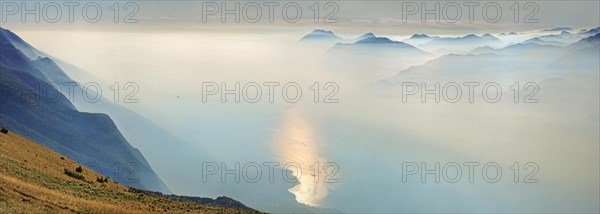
(32, 180)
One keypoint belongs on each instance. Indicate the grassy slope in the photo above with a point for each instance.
(32, 180)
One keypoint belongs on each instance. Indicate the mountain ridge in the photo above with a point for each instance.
(56, 123)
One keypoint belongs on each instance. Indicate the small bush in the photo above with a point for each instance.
(79, 169)
(134, 190)
(74, 175)
(102, 180)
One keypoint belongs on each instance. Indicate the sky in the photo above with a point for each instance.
(385, 17)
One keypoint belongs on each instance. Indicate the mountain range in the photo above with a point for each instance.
(464, 43)
(468, 56)
(516, 60)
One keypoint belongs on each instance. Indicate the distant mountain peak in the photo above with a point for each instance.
(376, 40)
(485, 48)
(419, 36)
(369, 34)
(482, 50)
(46, 61)
(320, 35)
(535, 39)
(471, 36)
(595, 39)
(559, 29)
(484, 36)
(323, 31)
(591, 31)
(565, 33)
(370, 44)
(365, 36)
(43, 58)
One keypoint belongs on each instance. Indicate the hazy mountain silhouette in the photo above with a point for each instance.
(482, 50)
(465, 43)
(513, 60)
(419, 39)
(590, 32)
(558, 29)
(539, 41)
(321, 36)
(378, 44)
(365, 36)
(586, 42)
(31, 106)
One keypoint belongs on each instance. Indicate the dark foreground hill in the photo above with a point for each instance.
(35, 179)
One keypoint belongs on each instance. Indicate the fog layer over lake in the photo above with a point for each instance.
(369, 132)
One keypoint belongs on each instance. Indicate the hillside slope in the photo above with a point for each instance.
(33, 180)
